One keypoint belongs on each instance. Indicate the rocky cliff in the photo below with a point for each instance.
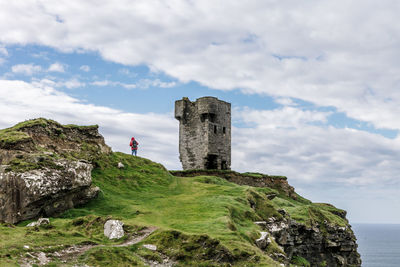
(323, 244)
(45, 168)
(325, 238)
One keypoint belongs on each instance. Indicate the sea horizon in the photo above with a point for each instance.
(378, 244)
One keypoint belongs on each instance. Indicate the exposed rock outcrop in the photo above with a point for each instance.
(327, 244)
(44, 192)
(46, 168)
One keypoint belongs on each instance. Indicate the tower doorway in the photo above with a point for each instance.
(211, 162)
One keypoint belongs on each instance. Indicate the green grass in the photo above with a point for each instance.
(300, 261)
(202, 221)
(309, 213)
(10, 136)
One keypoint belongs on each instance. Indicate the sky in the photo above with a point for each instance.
(314, 85)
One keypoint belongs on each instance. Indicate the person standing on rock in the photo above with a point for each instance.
(134, 146)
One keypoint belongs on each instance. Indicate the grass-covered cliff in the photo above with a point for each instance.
(202, 220)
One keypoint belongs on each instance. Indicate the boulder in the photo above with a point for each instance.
(114, 229)
(39, 222)
(46, 191)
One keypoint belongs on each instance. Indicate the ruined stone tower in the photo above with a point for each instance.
(204, 133)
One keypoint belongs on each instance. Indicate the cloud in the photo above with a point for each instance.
(157, 133)
(112, 83)
(70, 84)
(285, 141)
(26, 69)
(142, 84)
(146, 83)
(85, 68)
(56, 67)
(73, 83)
(287, 117)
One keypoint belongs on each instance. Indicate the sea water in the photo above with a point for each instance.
(378, 244)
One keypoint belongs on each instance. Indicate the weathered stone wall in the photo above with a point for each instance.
(204, 133)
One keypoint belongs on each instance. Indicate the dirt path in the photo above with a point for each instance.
(71, 253)
(136, 239)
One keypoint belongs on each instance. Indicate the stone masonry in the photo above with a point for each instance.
(204, 133)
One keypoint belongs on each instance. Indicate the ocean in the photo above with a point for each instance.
(378, 244)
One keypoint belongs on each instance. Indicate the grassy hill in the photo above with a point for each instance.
(201, 221)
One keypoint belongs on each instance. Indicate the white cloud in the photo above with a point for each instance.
(142, 84)
(287, 117)
(26, 69)
(146, 83)
(73, 83)
(112, 83)
(285, 101)
(85, 68)
(56, 67)
(70, 84)
(157, 133)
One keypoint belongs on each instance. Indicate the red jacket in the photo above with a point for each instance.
(131, 144)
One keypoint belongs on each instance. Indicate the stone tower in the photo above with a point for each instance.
(204, 133)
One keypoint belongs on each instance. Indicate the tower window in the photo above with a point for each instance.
(223, 130)
(212, 117)
(215, 129)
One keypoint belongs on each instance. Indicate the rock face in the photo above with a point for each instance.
(204, 133)
(114, 229)
(322, 244)
(46, 168)
(44, 192)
